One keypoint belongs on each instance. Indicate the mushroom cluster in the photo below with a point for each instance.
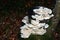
(35, 27)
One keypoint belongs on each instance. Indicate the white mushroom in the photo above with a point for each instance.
(35, 27)
(25, 19)
(25, 33)
(46, 26)
(39, 31)
(34, 22)
(48, 10)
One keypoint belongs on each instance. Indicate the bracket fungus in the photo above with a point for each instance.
(35, 27)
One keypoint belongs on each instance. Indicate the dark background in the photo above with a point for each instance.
(12, 12)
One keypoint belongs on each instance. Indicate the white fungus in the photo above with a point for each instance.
(25, 33)
(40, 31)
(35, 27)
(25, 19)
(46, 26)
